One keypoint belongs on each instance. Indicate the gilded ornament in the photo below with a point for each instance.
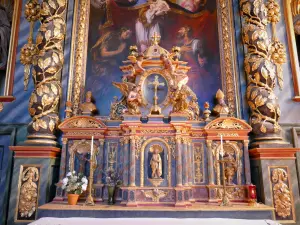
(281, 193)
(262, 65)
(1, 106)
(88, 107)
(28, 198)
(198, 163)
(155, 194)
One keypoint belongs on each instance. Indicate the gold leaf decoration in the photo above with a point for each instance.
(263, 129)
(51, 125)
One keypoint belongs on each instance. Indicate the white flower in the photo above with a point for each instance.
(84, 180)
(84, 186)
(74, 172)
(65, 181)
(69, 174)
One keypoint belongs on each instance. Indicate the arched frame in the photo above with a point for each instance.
(142, 154)
(228, 59)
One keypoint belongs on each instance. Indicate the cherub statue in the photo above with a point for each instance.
(137, 62)
(180, 102)
(180, 76)
(129, 75)
(133, 97)
(221, 109)
(88, 107)
(194, 110)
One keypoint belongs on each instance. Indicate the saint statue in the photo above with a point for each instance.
(230, 167)
(221, 109)
(88, 107)
(156, 162)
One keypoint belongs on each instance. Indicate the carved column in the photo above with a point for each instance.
(178, 161)
(126, 161)
(262, 65)
(211, 173)
(186, 165)
(47, 66)
(132, 162)
(190, 162)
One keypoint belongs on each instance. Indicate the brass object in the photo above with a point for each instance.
(47, 65)
(28, 193)
(260, 67)
(225, 198)
(221, 109)
(29, 50)
(88, 107)
(155, 194)
(90, 200)
(281, 193)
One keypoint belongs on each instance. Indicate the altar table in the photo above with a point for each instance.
(148, 221)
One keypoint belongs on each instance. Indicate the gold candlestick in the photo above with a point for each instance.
(225, 199)
(90, 200)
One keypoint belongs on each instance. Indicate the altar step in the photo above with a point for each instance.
(197, 210)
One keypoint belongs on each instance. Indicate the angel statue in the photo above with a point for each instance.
(132, 95)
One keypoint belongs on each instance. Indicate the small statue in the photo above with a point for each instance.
(230, 167)
(88, 107)
(137, 62)
(194, 109)
(132, 95)
(206, 112)
(129, 75)
(180, 76)
(180, 102)
(156, 162)
(221, 109)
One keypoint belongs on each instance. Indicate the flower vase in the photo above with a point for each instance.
(111, 194)
(72, 199)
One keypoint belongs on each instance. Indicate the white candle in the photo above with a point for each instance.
(92, 146)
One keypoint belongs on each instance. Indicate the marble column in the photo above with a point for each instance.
(132, 162)
(100, 162)
(185, 160)
(247, 163)
(191, 174)
(126, 161)
(178, 162)
(210, 163)
(62, 170)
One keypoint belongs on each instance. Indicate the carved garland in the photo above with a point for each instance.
(260, 67)
(281, 193)
(47, 65)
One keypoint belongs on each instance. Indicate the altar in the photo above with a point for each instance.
(155, 138)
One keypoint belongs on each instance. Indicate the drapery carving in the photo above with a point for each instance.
(47, 65)
(261, 60)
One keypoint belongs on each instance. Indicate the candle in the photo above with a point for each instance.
(92, 146)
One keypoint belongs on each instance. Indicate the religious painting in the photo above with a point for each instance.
(10, 12)
(116, 25)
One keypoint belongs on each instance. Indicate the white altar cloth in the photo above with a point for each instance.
(147, 221)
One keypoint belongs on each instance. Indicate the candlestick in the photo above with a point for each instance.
(90, 200)
(92, 146)
(222, 150)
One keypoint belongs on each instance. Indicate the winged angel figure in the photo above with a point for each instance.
(133, 97)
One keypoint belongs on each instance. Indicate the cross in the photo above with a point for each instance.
(156, 84)
(155, 38)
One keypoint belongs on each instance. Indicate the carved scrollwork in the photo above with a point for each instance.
(155, 194)
(281, 193)
(28, 192)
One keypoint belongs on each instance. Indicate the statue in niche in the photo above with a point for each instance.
(230, 167)
(221, 109)
(156, 162)
(88, 107)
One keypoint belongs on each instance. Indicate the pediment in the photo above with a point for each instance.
(79, 122)
(228, 123)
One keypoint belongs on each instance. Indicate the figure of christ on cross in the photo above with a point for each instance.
(155, 109)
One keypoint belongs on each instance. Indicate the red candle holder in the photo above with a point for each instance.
(252, 195)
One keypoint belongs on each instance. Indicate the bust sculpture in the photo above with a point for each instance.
(221, 109)
(88, 107)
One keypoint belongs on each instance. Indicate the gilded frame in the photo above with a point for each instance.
(228, 60)
(11, 61)
(292, 49)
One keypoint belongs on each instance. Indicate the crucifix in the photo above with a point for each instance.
(155, 38)
(155, 109)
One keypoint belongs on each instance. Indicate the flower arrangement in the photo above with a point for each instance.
(113, 178)
(75, 183)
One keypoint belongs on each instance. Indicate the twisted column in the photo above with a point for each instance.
(47, 66)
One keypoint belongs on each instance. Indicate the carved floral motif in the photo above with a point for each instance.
(28, 192)
(155, 194)
(281, 193)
